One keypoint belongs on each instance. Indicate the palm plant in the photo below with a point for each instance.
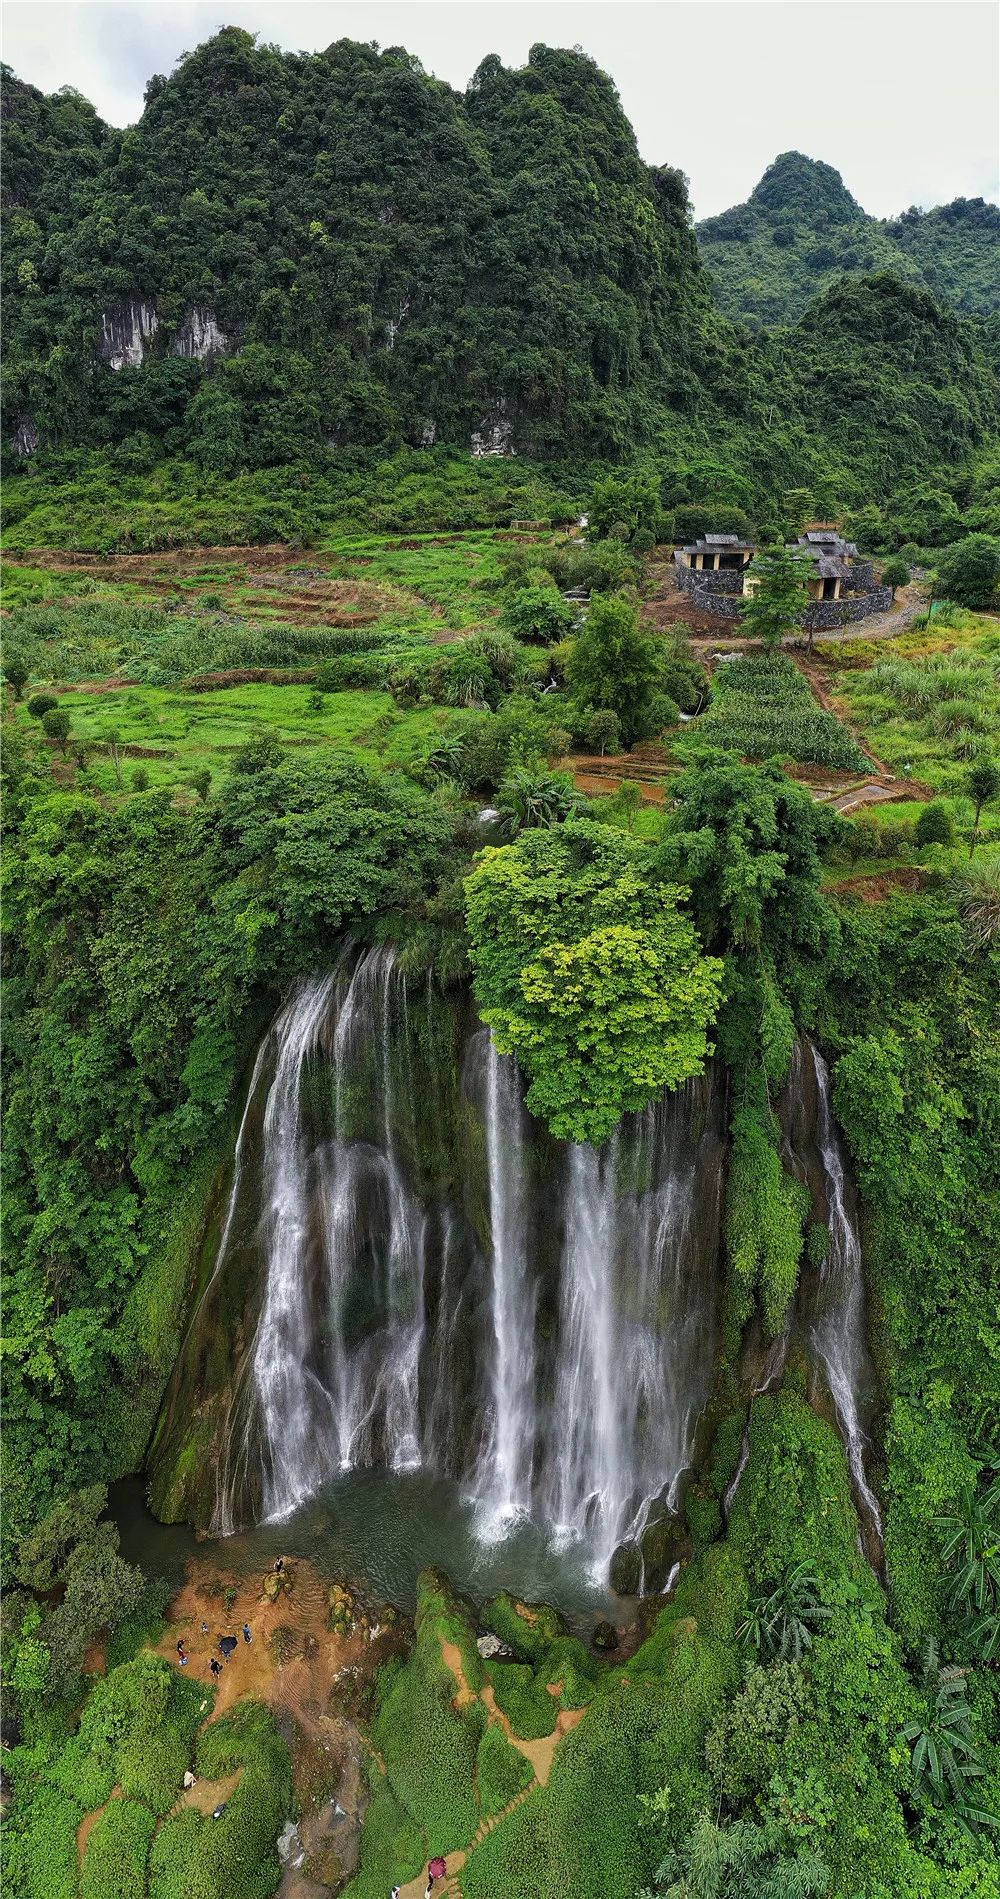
(528, 799)
(972, 1548)
(444, 760)
(977, 893)
(943, 1752)
(781, 1621)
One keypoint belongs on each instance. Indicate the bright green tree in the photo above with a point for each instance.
(895, 574)
(969, 573)
(984, 786)
(934, 825)
(538, 613)
(616, 664)
(631, 502)
(588, 972)
(15, 671)
(604, 732)
(55, 725)
(779, 599)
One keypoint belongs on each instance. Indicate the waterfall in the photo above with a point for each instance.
(363, 1194)
(435, 1282)
(839, 1329)
(338, 1230)
(276, 1378)
(637, 1319)
(504, 1477)
(587, 1480)
(295, 1406)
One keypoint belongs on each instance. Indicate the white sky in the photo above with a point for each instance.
(900, 95)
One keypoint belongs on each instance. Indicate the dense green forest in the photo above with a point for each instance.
(296, 698)
(290, 257)
(800, 229)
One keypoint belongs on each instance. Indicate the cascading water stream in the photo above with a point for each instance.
(839, 1330)
(637, 1319)
(503, 1481)
(587, 1482)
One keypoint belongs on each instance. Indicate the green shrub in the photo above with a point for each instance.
(114, 1865)
(172, 1853)
(40, 1855)
(393, 1846)
(934, 825)
(235, 1857)
(501, 1771)
(526, 1702)
(428, 1748)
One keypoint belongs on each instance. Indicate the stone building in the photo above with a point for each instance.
(716, 553)
(840, 582)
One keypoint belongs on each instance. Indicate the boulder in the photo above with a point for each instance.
(605, 1636)
(342, 1610)
(626, 1570)
(492, 1649)
(663, 1544)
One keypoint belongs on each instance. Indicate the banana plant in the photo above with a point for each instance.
(943, 1752)
(781, 1622)
(971, 1547)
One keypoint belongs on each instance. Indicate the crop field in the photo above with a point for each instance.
(931, 706)
(166, 737)
(763, 707)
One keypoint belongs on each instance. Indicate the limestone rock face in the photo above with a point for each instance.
(200, 337)
(125, 332)
(626, 1570)
(495, 434)
(664, 1544)
(26, 438)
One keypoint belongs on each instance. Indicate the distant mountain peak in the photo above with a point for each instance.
(804, 185)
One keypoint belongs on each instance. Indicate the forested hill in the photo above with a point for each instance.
(377, 253)
(292, 257)
(801, 228)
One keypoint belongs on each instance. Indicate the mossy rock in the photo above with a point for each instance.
(663, 1543)
(529, 1628)
(704, 1516)
(605, 1636)
(626, 1570)
(342, 1610)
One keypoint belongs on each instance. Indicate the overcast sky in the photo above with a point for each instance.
(900, 95)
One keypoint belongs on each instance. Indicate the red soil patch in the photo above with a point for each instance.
(883, 884)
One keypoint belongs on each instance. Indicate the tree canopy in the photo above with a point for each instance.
(590, 973)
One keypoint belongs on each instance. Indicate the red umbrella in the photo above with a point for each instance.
(437, 1868)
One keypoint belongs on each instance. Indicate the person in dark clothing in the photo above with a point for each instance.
(247, 1637)
(180, 1648)
(279, 1565)
(216, 1668)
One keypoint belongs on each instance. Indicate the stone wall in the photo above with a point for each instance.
(820, 615)
(723, 581)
